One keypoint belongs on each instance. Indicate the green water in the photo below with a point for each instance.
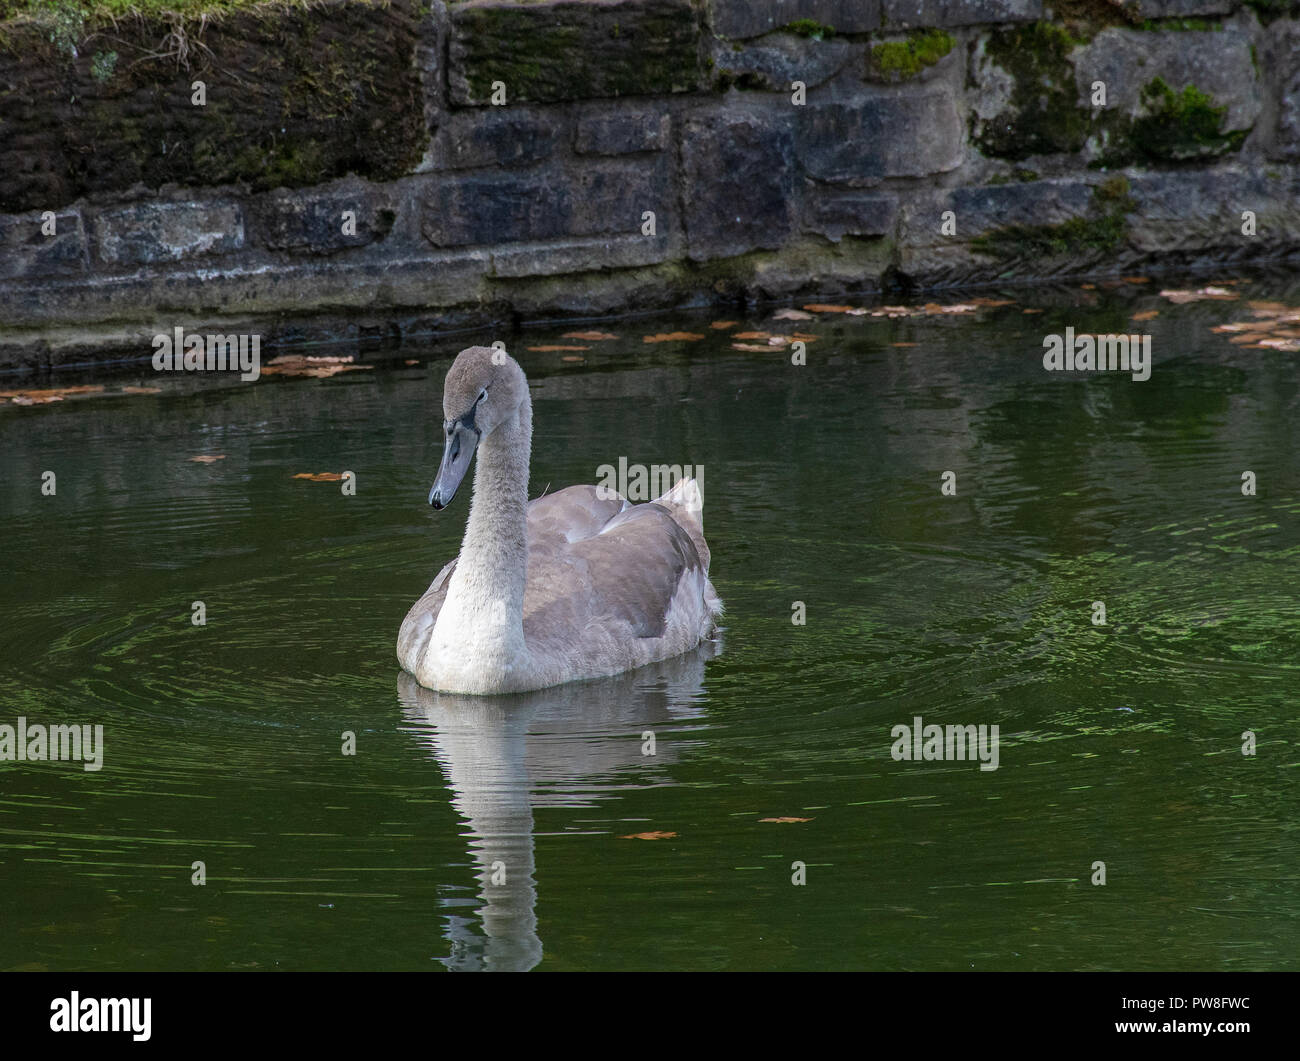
(1119, 744)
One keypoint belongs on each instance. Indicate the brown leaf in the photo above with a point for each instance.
(315, 367)
(572, 357)
(556, 349)
(1146, 315)
(1031, 311)
(805, 338)
(648, 836)
(208, 458)
(141, 390)
(1136, 279)
(721, 325)
(591, 337)
(990, 302)
(746, 336)
(788, 314)
(41, 397)
(785, 819)
(904, 344)
(320, 477)
(824, 307)
(322, 359)
(672, 337)
(1179, 297)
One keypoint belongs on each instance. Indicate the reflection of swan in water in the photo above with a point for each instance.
(555, 747)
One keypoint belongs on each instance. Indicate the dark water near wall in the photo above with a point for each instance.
(1119, 744)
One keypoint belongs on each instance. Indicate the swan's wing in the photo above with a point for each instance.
(621, 579)
(569, 515)
(420, 619)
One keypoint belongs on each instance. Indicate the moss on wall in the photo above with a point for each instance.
(1172, 127)
(292, 95)
(899, 60)
(1044, 115)
(1102, 231)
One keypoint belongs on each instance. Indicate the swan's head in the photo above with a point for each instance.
(484, 389)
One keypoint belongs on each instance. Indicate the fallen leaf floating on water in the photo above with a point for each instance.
(904, 344)
(672, 337)
(783, 820)
(791, 315)
(591, 337)
(207, 458)
(778, 340)
(1245, 326)
(571, 357)
(1031, 311)
(722, 325)
(1179, 297)
(410, 361)
(822, 307)
(991, 302)
(1276, 343)
(805, 338)
(320, 477)
(648, 836)
(746, 336)
(556, 349)
(321, 367)
(141, 390)
(934, 309)
(1146, 315)
(43, 397)
(1137, 279)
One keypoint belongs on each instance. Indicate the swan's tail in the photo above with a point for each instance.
(685, 501)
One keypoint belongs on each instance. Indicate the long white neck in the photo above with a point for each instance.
(484, 608)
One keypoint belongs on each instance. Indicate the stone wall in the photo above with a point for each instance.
(356, 170)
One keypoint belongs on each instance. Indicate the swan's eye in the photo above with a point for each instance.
(482, 394)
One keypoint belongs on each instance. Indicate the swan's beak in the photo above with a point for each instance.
(456, 457)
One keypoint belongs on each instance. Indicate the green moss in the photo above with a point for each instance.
(1180, 126)
(1194, 25)
(1102, 231)
(807, 27)
(1044, 115)
(103, 65)
(1268, 10)
(98, 12)
(903, 59)
(578, 52)
(1016, 176)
